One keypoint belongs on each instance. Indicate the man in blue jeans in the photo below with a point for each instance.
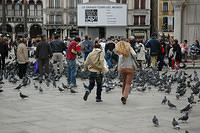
(71, 62)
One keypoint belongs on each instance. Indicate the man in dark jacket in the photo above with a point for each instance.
(155, 49)
(87, 47)
(43, 54)
(58, 47)
(3, 52)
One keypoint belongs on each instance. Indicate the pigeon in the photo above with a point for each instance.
(18, 87)
(199, 97)
(85, 86)
(187, 108)
(155, 121)
(164, 101)
(22, 95)
(60, 89)
(73, 91)
(177, 96)
(64, 86)
(1, 90)
(191, 99)
(184, 118)
(175, 124)
(186, 131)
(171, 105)
(54, 83)
(35, 86)
(41, 89)
(47, 83)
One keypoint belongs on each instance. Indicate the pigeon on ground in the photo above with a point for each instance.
(1, 90)
(155, 121)
(41, 89)
(177, 96)
(22, 95)
(60, 89)
(35, 86)
(186, 131)
(73, 91)
(171, 105)
(199, 97)
(191, 99)
(184, 118)
(54, 83)
(18, 87)
(85, 86)
(175, 124)
(187, 108)
(164, 101)
(64, 86)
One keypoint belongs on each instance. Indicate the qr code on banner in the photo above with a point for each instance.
(91, 15)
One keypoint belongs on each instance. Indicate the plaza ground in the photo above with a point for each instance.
(55, 112)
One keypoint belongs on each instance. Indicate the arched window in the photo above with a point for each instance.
(18, 9)
(39, 8)
(31, 8)
(10, 11)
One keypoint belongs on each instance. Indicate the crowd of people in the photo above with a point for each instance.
(99, 56)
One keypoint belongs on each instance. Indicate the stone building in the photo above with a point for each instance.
(165, 17)
(15, 17)
(60, 16)
(187, 20)
(138, 17)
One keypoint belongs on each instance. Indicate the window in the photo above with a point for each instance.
(32, 10)
(51, 3)
(71, 3)
(39, 10)
(51, 19)
(165, 24)
(17, 10)
(0, 10)
(71, 20)
(78, 1)
(165, 7)
(57, 4)
(10, 11)
(142, 20)
(136, 20)
(117, 1)
(143, 2)
(58, 19)
(123, 1)
(136, 4)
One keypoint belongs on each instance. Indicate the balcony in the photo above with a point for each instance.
(165, 12)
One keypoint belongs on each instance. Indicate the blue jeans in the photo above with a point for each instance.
(108, 59)
(85, 56)
(71, 72)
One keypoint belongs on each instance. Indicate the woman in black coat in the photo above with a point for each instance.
(177, 50)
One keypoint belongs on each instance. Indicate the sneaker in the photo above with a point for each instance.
(99, 100)
(123, 100)
(86, 95)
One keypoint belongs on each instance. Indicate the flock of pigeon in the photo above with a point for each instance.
(164, 84)
(142, 79)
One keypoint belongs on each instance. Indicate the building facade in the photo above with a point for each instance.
(15, 17)
(165, 17)
(139, 17)
(187, 20)
(50, 16)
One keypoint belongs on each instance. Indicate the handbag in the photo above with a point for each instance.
(36, 67)
(136, 65)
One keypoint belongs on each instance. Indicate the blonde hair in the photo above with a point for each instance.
(123, 48)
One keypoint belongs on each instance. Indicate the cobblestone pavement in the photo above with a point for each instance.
(55, 112)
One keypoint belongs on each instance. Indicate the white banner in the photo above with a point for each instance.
(102, 15)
